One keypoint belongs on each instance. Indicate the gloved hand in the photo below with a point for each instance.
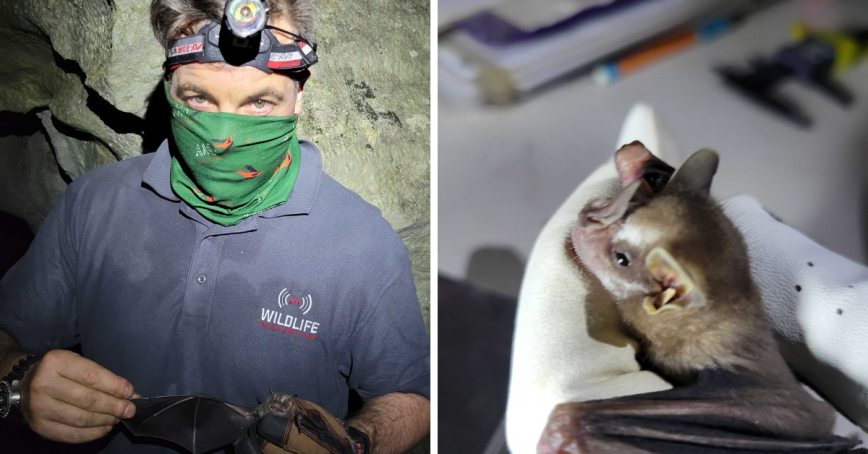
(815, 301)
(303, 428)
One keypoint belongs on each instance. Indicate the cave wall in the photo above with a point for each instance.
(76, 78)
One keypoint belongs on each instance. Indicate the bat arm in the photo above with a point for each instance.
(565, 433)
(768, 413)
(753, 418)
(246, 411)
(720, 441)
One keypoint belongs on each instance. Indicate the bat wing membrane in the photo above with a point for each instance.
(706, 418)
(197, 423)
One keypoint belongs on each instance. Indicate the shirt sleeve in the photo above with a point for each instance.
(37, 306)
(390, 350)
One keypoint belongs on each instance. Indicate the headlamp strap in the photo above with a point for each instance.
(296, 56)
(185, 50)
(290, 56)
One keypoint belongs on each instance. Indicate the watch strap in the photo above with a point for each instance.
(19, 369)
(10, 400)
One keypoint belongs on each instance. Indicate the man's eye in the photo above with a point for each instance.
(260, 104)
(622, 258)
(199, 99)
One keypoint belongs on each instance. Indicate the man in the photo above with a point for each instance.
(226, 263)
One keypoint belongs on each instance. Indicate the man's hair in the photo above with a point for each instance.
(171, 17)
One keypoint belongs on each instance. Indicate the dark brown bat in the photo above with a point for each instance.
(679, 272)
(201, 423)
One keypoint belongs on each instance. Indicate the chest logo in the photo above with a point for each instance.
(294, 321)
(285, 299)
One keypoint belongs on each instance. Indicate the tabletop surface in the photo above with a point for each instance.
(504, 171)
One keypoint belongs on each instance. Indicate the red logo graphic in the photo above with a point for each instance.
(283, 329)
(304, 304)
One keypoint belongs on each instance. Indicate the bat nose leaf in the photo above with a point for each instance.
(198, 423)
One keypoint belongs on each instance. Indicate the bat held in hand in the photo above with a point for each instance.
(679, 273)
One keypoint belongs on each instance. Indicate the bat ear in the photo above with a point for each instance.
(635, 163)
(697, 172)
(616, 208)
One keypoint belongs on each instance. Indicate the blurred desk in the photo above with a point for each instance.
(504, 171)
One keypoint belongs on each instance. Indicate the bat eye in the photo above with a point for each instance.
(622, 258)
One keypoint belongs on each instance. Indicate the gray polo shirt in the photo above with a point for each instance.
(314, 297)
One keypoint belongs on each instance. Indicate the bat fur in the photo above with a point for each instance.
(283, 405)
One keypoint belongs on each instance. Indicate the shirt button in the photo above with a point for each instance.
(201, 279)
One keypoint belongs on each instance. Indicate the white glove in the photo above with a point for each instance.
(567, 345)
(822, 324)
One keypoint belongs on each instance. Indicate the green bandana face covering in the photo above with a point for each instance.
(230, 166)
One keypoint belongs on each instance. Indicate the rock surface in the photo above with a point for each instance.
(37, 184)
(74, 156)
(367, 108)
(89, 67)
(418, 240)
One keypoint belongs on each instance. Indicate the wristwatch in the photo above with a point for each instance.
(10, 395)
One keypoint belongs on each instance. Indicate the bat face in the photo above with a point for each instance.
(611, 247)
(643, 257)
(675, 264)
(628, 241)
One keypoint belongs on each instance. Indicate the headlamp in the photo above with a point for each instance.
(244, 39)
(245, 17)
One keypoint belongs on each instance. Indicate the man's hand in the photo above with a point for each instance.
(70, 399)
(288, 424)
(395, 422)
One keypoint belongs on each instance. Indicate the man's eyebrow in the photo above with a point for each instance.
(189, 87)
(262, 94)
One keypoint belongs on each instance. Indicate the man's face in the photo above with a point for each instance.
(245, 90)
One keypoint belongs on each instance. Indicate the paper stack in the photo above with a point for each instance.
(518, 47)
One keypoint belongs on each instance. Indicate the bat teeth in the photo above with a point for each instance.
(667, 295)
(658, 302)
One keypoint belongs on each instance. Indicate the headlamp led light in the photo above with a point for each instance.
(243, 39)
(245, 17)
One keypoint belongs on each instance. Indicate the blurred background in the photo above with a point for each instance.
(532, 95)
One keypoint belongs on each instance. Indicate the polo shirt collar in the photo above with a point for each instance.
(157, 177)
(306, 184)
